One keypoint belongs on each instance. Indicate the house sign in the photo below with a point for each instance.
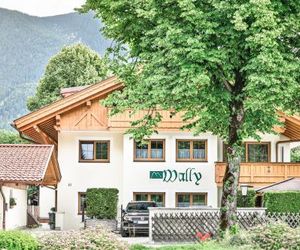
(172, 175)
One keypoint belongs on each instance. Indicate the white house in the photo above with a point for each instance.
(23, 165)
(175, 168)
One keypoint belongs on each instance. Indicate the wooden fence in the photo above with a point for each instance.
(183, 225)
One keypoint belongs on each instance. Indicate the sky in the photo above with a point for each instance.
(42, 7)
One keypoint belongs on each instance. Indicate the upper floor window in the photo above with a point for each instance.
(94, 151)
(153, 150)
(191, 150)
(191, 199)
(253, 152)
(258, 152)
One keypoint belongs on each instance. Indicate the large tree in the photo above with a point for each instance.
(74, 65)
(229, 65)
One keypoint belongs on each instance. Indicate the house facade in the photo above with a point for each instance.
(21, 166)
(175, 168)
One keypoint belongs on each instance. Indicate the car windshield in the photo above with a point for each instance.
(139, 207)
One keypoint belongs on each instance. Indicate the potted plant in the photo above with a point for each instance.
(12, 202)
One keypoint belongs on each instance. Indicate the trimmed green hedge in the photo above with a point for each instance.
(102, 203)
(17, 240)
(250, 198)
(287, 201)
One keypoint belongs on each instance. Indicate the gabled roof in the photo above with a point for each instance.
(292, 184)
(28, 164)
(44, 123)
(72, 90)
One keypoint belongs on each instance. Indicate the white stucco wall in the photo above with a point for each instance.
(47, 201)
(133, 177)
(16, 217)
(77, 177)
(137, 179)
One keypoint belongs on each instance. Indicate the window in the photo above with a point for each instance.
(153, 150)
(81, 202)
(253, 152)
(191, 150)
(191, 199)
(159, 198)
(258, 152)
(94, 151)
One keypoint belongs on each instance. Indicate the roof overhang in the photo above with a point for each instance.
(42, 126)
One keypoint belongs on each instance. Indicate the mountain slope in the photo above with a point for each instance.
(27, 43)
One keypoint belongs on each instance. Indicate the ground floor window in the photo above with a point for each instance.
(159, 198)
(191, 199)
(81, 202)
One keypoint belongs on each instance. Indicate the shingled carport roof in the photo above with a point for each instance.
(292, 184)
(28, 164)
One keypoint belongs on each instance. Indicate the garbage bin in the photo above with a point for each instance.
(52, 220)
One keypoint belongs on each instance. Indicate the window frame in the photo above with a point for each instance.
(191, 197)
(94, 151)
(257, 143)
(79, 200)
(149, 196)
(191, 159)
(245, 144)
(149, 159)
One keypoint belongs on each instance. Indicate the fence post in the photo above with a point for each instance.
(151, 213)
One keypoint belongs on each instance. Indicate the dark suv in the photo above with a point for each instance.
(135, 218)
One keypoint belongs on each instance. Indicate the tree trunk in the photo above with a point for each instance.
(230, 187)
(231, 178)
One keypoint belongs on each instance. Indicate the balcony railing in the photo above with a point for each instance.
(260, 174)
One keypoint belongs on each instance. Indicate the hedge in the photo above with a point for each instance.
(249, 199)
(101, 203)
(17, 240)
(287, 201)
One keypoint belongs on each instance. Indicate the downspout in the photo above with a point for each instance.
(280, 142)
(4, 208)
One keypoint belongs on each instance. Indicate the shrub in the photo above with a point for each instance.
(273, 236)
(276, 236)
(102, 203)
(17, 240)
(288, 201)
(249, 199)
(87, 239)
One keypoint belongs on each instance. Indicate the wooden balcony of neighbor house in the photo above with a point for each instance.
(260, 174)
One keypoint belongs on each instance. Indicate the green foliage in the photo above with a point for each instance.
(102, 203)
(74, 65)
(275, 236)
(23, 60)
(222, 62)
(295, 154)
(288, 201)
(248, 201)
(8, 137)
(17, 240)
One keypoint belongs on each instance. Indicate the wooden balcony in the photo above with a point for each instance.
(261, 174)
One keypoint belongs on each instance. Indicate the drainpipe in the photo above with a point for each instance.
(22, 136)
(280, 142)
(4, 207)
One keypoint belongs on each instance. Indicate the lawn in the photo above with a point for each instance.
(212, 245)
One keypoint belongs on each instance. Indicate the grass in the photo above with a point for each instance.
(210, 245)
